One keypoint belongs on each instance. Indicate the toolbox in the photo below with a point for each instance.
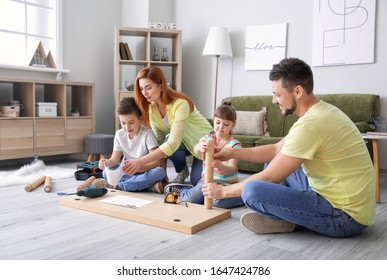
(86, 170)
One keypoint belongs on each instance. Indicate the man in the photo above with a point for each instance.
(319, 176)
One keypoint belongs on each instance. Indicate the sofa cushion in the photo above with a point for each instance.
(275, 120)
(251, 123)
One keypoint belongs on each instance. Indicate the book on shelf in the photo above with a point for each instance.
(377, 133)
(127, 51)
(122, 51)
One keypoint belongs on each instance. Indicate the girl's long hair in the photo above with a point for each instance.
(168, 94)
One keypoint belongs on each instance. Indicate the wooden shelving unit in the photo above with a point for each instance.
(141, 43)
(32, 135)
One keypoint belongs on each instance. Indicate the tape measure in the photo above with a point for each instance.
(171, 197)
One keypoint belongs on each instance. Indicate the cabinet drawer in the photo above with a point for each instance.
(16, 137)
(76, 131)
(49, 135)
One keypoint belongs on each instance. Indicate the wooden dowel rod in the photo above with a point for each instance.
(48, 184)
(85, 183)
(209, 173)
(35, 184)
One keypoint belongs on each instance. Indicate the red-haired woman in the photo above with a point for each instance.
(174, 120)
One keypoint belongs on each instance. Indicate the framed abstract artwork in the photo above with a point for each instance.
(343, 32)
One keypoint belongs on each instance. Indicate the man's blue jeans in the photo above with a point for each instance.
(294, 201)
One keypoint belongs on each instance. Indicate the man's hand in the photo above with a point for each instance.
(223, 154)
(212, 190)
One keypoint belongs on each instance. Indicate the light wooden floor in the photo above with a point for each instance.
(34, 226)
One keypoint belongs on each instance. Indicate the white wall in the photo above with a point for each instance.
(88, 51)
(135, 13)
(199, 71)
(162, 11)
(138, 13)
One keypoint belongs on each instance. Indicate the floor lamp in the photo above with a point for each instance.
(218, 44)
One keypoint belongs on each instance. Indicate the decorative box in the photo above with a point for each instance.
(10, 111)
(46, 109)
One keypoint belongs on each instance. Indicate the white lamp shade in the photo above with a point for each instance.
(218, 42)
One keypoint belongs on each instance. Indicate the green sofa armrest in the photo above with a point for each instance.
(247, 141)
(267, 140)
(253, 141)
(363, 126)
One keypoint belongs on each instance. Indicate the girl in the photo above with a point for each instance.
(225, 173)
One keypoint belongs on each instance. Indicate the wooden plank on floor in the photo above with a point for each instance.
(186, 218)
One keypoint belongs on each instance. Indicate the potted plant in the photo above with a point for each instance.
(75, 112)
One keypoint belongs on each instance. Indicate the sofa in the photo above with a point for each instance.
(260, 122)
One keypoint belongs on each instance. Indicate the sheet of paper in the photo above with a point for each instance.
(127, 201)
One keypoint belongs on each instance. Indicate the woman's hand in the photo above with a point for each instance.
(131, 166)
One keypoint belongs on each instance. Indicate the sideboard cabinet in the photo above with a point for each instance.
(37, 117)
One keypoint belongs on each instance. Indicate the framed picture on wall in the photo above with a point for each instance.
(265, 46)
(343, 32)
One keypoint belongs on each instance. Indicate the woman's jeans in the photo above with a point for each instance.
(195, 195)
(141, 180)
(296, 202)
(179, 160)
